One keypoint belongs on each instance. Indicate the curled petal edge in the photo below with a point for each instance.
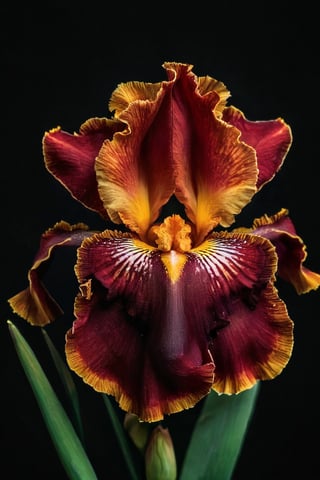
(35, 304)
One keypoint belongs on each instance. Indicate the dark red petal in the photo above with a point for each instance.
(271, 140)
(175, 143)
(144, 333)
(257, 343)
(290, 248)
(215, 172)
(132, 337)
(135, 170)
(35, 304)
(233, 275)
(71, 159)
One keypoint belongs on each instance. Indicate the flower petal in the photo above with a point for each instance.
(271, 140)
(70, 159)
(127, 93)
(175, 143)
(131, 338)
(215, 172)
(237, 272)
(149, 323)
(208, 84)
(258, 343)
(290, 248)
(134, 170)
(35, 304)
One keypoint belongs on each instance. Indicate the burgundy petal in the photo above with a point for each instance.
(71, 159)
(35, 304)
(149, 323)
(290, 248)
(233, 274)
(271, 140)
(131, 338)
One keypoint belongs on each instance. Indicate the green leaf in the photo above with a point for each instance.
(121, 436)
(68, 383)
(218, 436)
(67, 443)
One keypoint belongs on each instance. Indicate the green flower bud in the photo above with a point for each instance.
(138, 431)
(160, 460)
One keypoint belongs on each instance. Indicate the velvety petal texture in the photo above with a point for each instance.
(169, 308)
(215, 173)
(149, 336)
(71, 158)
(271, 140)
(249, 330)
(134, 169)
(35, 304)
(131, 338)
(291, 250)
(175, 143)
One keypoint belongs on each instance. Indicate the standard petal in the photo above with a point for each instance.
(70, 159)
(175, 143)
(208, 84)
(134, 170)
(215, 173)
(233, 275)
(271, 140)
(127, 93)
(290, 248)
(133, 337)
(35, 304)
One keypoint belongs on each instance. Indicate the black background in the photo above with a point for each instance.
(59, 66)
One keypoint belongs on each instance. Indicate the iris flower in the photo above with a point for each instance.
(172, 307)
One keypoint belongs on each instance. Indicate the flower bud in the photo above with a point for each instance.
(138, 431)
(160, 461)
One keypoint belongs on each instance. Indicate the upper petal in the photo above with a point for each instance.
(215, 172)
(35, 304)
(290, 248)
(175, 142)
(271, 140)
(134, 170)
(127, 93)
(208, 84)
(70, 158)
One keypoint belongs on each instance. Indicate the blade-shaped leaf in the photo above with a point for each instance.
(121, 436)
(68, 383)
(218, 436)
(67, 443)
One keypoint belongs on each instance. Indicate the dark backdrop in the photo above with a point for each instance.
(59, 66)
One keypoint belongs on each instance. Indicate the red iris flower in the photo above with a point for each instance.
(169, 310)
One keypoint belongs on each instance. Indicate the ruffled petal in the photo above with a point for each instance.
(290, 248)
(132, 337)
(134, 170)
(215, 173)
(271, 140)
(258, 343)
(70, 159)
(208, 84)
(127, 93)
(236, 272)
(148, 323)
(176, 143)
(35, 304)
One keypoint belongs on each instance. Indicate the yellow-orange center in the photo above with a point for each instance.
(172, 234)
(173, 238)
